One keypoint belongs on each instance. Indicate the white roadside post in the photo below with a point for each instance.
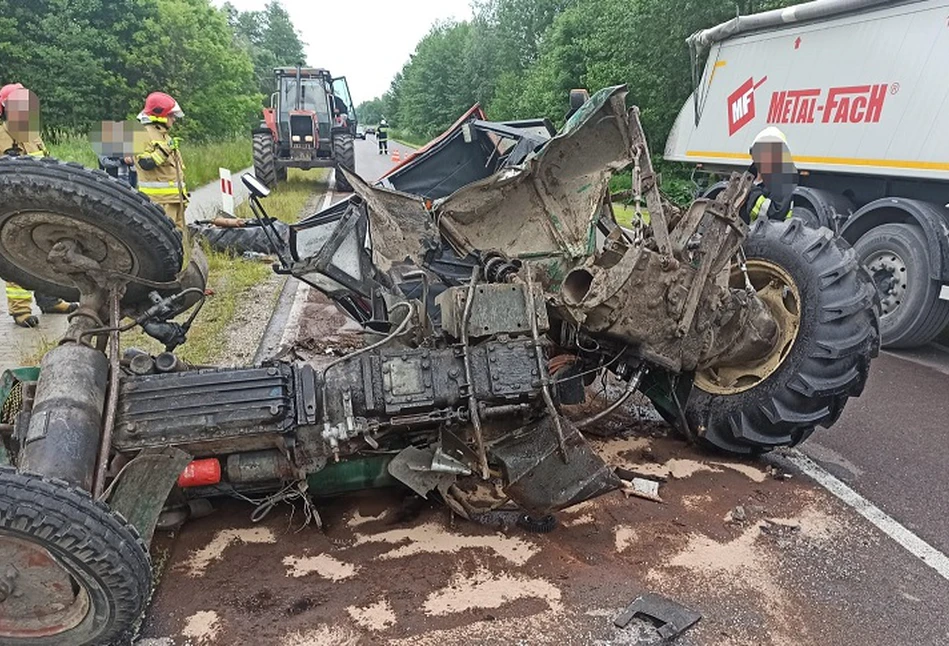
(227, 192)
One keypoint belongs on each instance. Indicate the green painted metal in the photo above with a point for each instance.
(12, 376)
(352, 475)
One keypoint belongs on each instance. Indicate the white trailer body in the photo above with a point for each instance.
(861, 89)
(864, 93)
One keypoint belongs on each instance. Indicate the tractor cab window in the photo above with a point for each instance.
(341, 90)
(312, 98)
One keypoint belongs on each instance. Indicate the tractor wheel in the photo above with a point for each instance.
(826, 308)
(265, 164)
(71, 570)
(45, 201)
(345, 157)
(897, 257)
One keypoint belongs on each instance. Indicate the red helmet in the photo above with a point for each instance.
(161, 105)
(7, 90)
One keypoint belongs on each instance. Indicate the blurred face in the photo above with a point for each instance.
(772, 158)
(22, 114)
(118, 138)
(171, 120)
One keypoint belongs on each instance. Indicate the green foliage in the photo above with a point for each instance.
(203, 159)
(271, 40)
(90, 60)
(371, 112)
(520, 59)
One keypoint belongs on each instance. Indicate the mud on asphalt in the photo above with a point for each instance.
(766, 559)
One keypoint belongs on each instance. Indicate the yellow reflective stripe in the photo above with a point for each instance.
(38, 153)
(17, 293)
(758, 205)
(159, 191)
(790, 211)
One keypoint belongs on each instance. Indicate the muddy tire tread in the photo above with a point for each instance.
(265, 165)
(111, 204)
(830, 360)
(109, 546)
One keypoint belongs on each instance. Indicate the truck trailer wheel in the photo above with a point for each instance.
(45, 201)
(345, 157)
(71, 571)
(265, 163)
(825, 305)
(897, 258)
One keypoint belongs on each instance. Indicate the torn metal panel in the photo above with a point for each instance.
(399, 223)
(540, 479)
(549, 206)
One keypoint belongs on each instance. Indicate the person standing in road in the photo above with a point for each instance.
(19, 137)
(771, 196)
(160, 167)
(382, 136)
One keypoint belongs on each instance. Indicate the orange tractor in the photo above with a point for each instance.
(311, 123)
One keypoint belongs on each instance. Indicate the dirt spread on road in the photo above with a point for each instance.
(766, 559)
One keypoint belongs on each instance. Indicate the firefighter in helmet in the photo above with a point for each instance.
(160, 168)
(772, 194)
(382, 136)
(18, 137)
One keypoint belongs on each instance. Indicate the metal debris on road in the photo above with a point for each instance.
(674, 618)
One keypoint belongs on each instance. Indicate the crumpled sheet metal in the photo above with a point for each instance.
(549, 206)
(398, 222)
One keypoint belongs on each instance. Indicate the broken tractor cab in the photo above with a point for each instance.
(311, 123)
(493, 284)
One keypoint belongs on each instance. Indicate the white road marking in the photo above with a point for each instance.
(885, 523)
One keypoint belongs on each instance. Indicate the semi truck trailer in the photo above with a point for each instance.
(860, 89)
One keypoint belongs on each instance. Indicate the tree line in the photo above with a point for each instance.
(98, 59)
(520, 59)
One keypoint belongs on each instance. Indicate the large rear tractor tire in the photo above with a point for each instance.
(72, 572)
(826, 308)
(45, 201)
(265, 162)
(345, 157)
(897, 257)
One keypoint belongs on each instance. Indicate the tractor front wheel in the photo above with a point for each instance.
(345, 158)
(71, 570)
(265, 163)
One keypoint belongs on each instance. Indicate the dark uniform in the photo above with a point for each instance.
(382, 136)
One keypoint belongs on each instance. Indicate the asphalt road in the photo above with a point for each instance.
(892, 444)
(370, 165)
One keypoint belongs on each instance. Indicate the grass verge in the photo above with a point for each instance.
(202, 160)
(287, 200)
(407, 138)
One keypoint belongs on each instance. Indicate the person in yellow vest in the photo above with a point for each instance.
(772, 195)
(160, 167)
(14, 143)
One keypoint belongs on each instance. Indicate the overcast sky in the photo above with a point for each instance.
(374, 40)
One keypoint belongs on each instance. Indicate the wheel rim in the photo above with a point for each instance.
(26, 238)
(38, 597)
(888, 270)
(778, 291)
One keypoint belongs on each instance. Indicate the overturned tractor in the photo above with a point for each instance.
(493, 284)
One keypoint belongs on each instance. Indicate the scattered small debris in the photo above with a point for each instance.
(642, 488)
(673, 618)
(737, 515)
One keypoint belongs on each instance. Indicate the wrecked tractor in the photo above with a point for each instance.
(493, 284)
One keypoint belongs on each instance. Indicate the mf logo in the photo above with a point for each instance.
(741, 105)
